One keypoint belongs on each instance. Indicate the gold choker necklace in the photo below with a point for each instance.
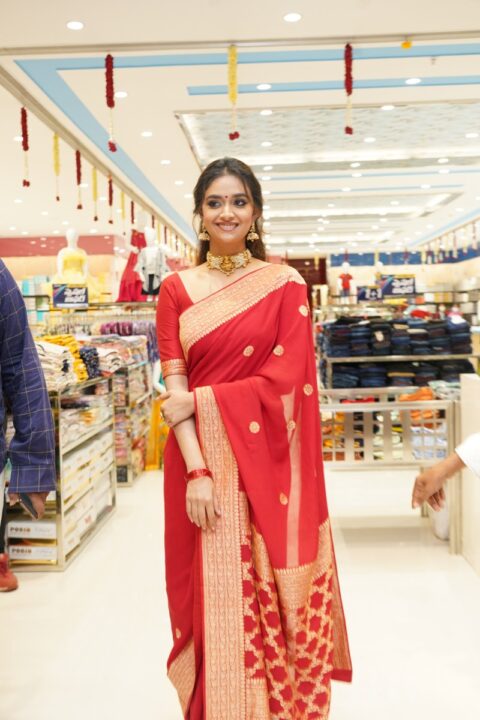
(227, 264)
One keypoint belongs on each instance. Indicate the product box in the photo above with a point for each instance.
(32, 529)
(20, 553)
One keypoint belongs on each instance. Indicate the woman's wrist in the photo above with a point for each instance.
(197, 473)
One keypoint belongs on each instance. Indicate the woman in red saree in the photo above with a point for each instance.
(253, 594)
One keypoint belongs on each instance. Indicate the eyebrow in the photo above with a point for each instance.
(219, 197)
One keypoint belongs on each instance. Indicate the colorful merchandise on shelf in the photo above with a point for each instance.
(69, 342)
(57, 363)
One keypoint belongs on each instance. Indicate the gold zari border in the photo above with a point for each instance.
(202, 318)
(182, 674)
(224, 659)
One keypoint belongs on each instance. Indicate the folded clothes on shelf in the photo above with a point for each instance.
(57, 363)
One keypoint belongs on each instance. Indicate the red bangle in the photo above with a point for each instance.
(194, 474)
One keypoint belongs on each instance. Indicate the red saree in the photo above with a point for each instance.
(255, 607)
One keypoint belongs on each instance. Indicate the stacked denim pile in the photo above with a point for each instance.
(337, 338)
(459, 331)
(418, 333)
(438, 338)
(400, 338)
(345, 376)
(426, 373)
(452, 369)
(401, 374)
(360, 337)
(381, 330)
(373, 375)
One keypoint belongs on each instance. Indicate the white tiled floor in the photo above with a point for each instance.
(91, 643)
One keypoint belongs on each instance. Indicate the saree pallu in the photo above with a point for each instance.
(256, 612)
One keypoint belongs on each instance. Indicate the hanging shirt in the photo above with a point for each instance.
(23, 390)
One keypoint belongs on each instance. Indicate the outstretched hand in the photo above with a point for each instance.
(429, 488)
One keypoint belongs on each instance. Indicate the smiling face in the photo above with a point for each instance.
(228, 213)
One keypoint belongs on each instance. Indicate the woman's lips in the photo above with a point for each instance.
(227, 227)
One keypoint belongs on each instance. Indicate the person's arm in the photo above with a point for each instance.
(32, 449)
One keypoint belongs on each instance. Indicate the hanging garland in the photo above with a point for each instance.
(132, 213)
(110, 95)
(110, 199)
(95, 192)
(153, 221)
(56, 165)
(25, 146)
(78, 167)
(233, 89)
(349, 87)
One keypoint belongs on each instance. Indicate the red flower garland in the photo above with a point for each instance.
(110, 96)
(78, 165)
(349, 86)
(132, 212)
(25, 145)
(110, 198)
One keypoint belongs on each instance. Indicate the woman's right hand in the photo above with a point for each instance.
(203, 507)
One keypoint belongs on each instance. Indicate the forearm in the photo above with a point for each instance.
(450, 466)
(186, 431)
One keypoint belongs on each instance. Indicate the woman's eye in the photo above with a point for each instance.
(241, 203)
(213, 203)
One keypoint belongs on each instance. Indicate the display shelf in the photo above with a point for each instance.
(86, 489)
(136, 380)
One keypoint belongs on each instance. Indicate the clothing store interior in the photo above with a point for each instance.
(360, 126)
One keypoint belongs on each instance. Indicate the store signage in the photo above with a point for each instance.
(398, 285)
(70, 296)
(369, 292)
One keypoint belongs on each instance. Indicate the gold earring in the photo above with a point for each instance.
(203, 236)
(252, 234)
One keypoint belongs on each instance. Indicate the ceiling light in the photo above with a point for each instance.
(44, 212)
(264, 86)
(346, 189)
(266, 112)
(266, 143)
(75, 25)
(34, 242)
(383, 220)
(355, 164)
(413, 81)
(118, 211)
(65, 222)
(357, 174)
(165, 162)
(430, 227)
(178, 182)
(266, 207)
(477, 197)
(375, 227)
(12, 227)
(56, 232)
(146, 133)
(24, 232)
(83, 185)
(330, 205)
(265, 178)
(121, 94)
(188, 196)
(369, 139)
(266, 192)
(93, 231)
(418, 232)
(442, 161)
(471, 135)
(425, 186)
(17, 138)
(292, 17)
(268, 167)
(321, 229)
(359, 233)
(353, 244)
(18, 201)
(444, 171)
(102, 198)
(459, 209)
(394, 202)
(388, 107)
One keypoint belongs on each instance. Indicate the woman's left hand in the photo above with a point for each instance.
(177, 406)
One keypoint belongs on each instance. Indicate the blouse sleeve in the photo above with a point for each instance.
(469, 453)
(170, 349)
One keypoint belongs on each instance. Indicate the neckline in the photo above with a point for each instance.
(210, 295)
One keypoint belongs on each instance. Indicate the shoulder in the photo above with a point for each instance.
(287, 274)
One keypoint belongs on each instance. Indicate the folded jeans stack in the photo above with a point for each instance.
(460, 338)
(345, 376)
(373, 375)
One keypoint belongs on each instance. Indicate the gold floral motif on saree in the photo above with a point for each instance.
(209, 314)
(174, 367)
(224, 660)
(182, 674)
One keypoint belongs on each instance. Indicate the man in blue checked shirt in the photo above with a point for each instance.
(24, 394)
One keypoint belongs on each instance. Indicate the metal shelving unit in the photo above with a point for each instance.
(86, 485)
